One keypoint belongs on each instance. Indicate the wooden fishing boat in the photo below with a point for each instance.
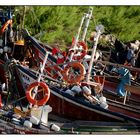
(68, 106)
(58, 100)
(71, 107)
(62, 103)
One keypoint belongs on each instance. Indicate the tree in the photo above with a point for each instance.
(58, 24)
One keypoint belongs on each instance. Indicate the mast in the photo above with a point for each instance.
(99, 29)
(78, 34)
(85, 20)
(88, 17)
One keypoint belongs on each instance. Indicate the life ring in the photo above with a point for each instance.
(34, 101)
(83, 52)
(71, 79)
(9, 22)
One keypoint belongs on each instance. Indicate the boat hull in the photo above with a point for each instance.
(66, 105)
(69, 109)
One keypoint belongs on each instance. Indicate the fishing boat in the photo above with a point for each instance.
(67, 105)
(71, 107)
(113, 105)
(63, 103)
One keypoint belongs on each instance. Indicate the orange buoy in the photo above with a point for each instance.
(71, 78)
(34, 101)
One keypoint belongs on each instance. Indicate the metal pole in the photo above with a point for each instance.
(88, 17)
(99, 31)
(43, 66)
(77, 37)
(41, 72)
(125, 97)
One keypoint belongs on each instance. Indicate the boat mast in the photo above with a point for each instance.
(42, 67)
(77, 37)
(99, 29)
(88, 17)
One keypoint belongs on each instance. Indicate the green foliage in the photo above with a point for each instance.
(122, 21)
(58, 24)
